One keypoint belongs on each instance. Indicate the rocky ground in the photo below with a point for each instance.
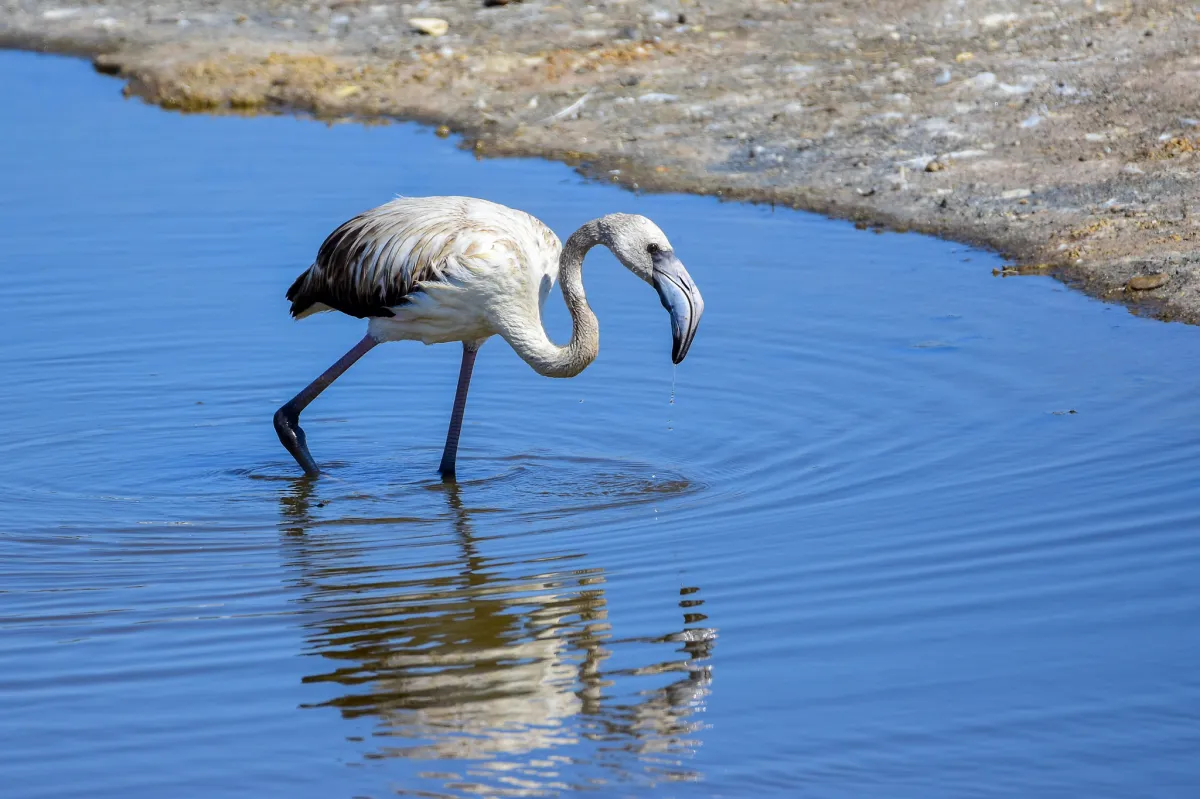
(1063, 133)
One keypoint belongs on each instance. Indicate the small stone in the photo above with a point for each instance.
(982, 81)
(430, 26)
(442, 131)
(1014, 89)
(1148, 282)
(934, 166)
(998, 20)
(1015, 194)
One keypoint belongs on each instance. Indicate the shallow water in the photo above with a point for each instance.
(907, 530)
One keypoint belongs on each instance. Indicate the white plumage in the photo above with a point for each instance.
(442, 269)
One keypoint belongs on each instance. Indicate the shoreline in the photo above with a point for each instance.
(992, 130)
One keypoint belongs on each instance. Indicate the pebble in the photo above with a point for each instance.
(430, 26)
(1148, 282)
(982, 81)
(997, 20)
(920, 162)
(1014, 89)
(1015, 194)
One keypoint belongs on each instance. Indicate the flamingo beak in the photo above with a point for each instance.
(682, 300)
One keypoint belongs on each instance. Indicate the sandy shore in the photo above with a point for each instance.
(1063, 133)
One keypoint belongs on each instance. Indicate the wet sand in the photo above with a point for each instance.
(1061, 134)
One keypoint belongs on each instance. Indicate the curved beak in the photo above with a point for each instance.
(682, 300)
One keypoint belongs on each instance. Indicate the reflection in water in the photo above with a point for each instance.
(513, 663)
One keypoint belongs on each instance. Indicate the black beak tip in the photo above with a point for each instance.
(681, 348)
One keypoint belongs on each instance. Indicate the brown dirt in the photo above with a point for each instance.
(1063, 133)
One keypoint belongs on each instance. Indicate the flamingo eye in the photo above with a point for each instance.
(652, 249)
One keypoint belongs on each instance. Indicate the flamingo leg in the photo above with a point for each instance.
(287, 418)
(450, 453)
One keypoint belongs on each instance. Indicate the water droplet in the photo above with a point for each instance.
(671, 401)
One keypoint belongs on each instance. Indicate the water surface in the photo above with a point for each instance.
(907, 530)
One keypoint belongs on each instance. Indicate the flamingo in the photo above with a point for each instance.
(445, 269)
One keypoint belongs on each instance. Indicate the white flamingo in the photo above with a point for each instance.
(441, 269)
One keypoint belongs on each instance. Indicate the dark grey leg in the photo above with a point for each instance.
(287, 418)
(450, 453)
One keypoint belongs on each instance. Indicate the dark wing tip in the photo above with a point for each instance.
(300, 299)
(303, 295)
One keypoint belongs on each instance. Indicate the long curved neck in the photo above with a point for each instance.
(535, 347)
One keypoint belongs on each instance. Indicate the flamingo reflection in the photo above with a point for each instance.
(504, 662)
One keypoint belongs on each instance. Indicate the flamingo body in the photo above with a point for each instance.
(443, 269)
(432, 269)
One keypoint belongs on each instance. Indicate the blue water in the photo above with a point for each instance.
(869, 551)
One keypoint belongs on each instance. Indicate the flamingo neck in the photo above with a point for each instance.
(535, 347)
